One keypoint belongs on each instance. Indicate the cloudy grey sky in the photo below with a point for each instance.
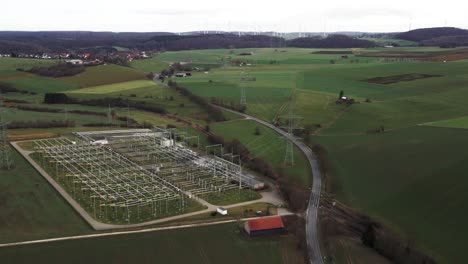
(243, 15)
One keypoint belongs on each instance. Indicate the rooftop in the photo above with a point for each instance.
(265, 223)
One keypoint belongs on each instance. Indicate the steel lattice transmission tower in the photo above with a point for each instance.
(245, 79)
(6, 161)
(291, 125)
(243, 98)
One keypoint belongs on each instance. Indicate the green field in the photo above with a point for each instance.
(26, 64)
(461, 122)
(32, 209)
(268, 145)
(364, 165)
(41, 85)
(104, 74)
(149, 65)
(409, 177)
(413, 179)
(213, 244)
(21, 115)
(114, 88)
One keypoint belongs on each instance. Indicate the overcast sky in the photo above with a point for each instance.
(243, 15)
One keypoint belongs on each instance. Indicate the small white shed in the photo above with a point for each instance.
(222, 211)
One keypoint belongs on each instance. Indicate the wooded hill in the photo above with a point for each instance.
(43, 42)
(441, 36)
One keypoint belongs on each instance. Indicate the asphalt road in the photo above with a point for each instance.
(314, 200)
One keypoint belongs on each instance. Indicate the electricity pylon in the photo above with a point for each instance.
(292, 124)
(243, 98)
(6, 161)
(244, 79)
(109, 115)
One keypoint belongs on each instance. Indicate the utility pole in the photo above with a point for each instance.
(128, 112)
(6, 161)
(109, 115)
(66, 112)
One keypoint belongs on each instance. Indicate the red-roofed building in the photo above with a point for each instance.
(264, 226)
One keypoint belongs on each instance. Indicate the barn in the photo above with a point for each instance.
(264, 226)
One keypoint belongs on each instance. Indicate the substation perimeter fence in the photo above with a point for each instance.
(109, 181)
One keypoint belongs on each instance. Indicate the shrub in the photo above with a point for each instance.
(257, 131)
(58, 70)
(56, 98)
(41, 124)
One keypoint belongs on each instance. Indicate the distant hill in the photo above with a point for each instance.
(447, 41)
(214, 41)
(60, 41)
(332, 41)
(40, 42)
(431, 33)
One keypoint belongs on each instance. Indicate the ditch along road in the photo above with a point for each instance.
(313, 245)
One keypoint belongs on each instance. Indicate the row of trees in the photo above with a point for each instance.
(122, 103)
(333, 41)
(229, 104)
(174, 68)
(58, 70)
(41, 124)
(214, 113)
(55, 110)
(295, 195)
(8, 88)
(61, 98)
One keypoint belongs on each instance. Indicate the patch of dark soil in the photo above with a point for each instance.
(413, 54)
(400, 78)
(332, 52)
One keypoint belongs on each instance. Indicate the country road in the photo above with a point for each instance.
(314, 200)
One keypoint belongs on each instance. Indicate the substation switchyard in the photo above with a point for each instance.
(129, 176)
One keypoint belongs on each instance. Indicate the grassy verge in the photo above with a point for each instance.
(231, 197)
(237, 212)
